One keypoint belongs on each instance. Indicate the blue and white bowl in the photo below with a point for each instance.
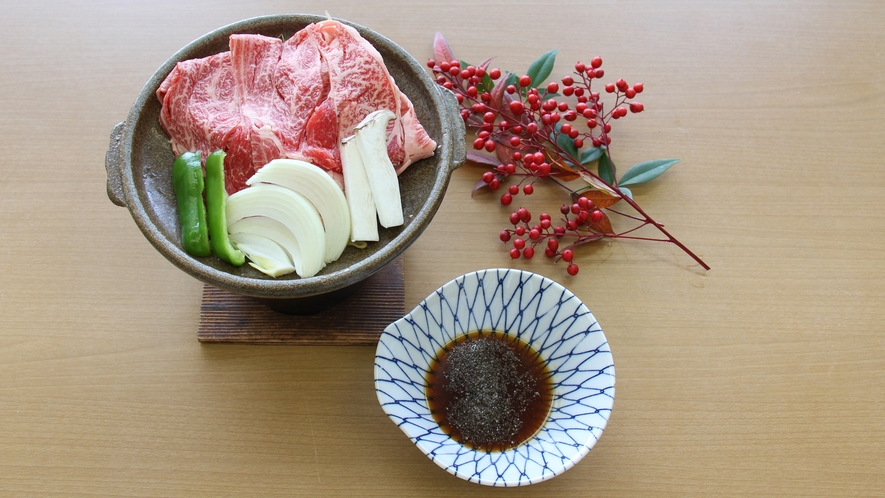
(541, 313)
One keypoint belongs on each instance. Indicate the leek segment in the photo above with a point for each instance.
(273, 230)
(321, 190)
(292, 210)
(264, 254)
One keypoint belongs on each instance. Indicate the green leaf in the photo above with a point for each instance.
(607, 170)
(591, 154)
(646, 171)
(542, 67)
(565, 143)
(625, 191)
(511, 79)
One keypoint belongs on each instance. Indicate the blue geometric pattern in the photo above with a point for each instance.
(540, 312)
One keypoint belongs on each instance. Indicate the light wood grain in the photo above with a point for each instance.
(763, 376)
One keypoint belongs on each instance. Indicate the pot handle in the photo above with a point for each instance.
(457, 129)
(113, 162)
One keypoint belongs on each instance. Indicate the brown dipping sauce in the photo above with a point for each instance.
(489, 391)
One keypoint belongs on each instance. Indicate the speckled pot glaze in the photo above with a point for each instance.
(139, 162)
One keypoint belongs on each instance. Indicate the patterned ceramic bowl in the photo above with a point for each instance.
(540, 312)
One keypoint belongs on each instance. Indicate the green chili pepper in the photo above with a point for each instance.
(187, 182)
(216, 200)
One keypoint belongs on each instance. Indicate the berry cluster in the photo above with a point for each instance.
(582, 214)
(528, 119)
(537, 131)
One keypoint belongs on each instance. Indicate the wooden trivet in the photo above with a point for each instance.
(357, 320)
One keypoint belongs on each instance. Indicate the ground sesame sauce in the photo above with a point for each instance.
(489, 391)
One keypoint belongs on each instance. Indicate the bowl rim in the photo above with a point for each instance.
(450, 154)
(433, 438)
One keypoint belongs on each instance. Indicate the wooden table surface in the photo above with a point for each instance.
(762, 376)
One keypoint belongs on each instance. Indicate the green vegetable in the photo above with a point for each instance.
(187, 182)
(216, 200)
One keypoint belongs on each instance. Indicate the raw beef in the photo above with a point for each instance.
(267, 99)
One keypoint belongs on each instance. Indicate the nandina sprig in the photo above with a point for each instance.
(556, 133)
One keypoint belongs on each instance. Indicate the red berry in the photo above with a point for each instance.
(543, 169)
(597, 216)
(495, 73)
(514, 218)
(506, 199)
(532, 127)
(480, 72)
(528, 253)
(510, 168)
(549, 253)
(516, 107)
(490, 146)
(552, 244)
(636, 107)
(610, 88)
(519, 243)
(638, 88)
(445, 66)
(528, 189)
(489, 117)
(504, 236)
(568, 91)
(583, 216)
(535, 234)
(596, 62)
(520, 231)
(524, 215)
(510, 89)
(568, 81)
(514, 141)
(572, 269)
(564, 209)
(621, 84)
(514, 253)
(580, 67)
(568, 255)
(431, 63)
(629, 93)
(600, 73)
(591, 123)
(517, 155)
(566, 128)
(559, 231)
(494, 184)
(572, 225)
(488, 176)
(525, 80)
(455, 71)
(575, 209)
(591, 73)
(479, 143)
(472, 91)
(583, 202)
(579, 143)
(513, 190)
(553, 87)
(545, 224)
